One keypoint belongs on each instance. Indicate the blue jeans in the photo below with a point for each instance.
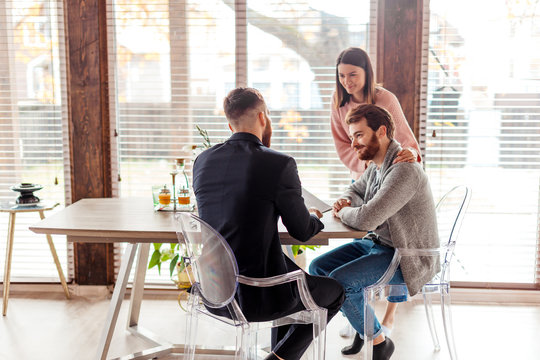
(355, 266)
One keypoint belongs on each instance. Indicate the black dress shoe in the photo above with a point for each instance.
(384, 350)
(355, 347)
(271, 356)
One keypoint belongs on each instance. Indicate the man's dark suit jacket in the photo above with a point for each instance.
(242, 187)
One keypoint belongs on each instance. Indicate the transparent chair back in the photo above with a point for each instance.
(450, 212)
(213, 264)
(215, 281)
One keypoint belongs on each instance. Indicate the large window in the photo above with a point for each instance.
(32, 114)
(291, 50)
(483, 129)
(172, 63)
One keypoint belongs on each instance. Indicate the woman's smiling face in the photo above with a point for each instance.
(353, 79)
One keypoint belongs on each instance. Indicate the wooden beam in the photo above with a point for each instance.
(86, 32)
(399, 53)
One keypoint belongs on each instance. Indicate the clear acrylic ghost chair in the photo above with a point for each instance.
(450, 212)
(214, 284)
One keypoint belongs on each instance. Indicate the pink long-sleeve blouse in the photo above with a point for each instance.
(340, 130)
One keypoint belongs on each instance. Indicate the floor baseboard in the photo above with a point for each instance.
(458, 295)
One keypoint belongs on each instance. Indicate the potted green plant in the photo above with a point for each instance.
(175, 254)
(299, 252)
(300, 249)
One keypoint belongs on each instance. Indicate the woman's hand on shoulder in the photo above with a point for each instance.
(406, 155)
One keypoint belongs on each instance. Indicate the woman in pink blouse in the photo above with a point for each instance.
(355, 85)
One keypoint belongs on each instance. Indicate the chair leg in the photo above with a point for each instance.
(430, 319)
(315, 347)
(246, 342)
(369, 318)
(191, 328)
(319, 335)
(447, 322)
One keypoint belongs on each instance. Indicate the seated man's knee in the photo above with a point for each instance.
(315, 268)
(352, 282)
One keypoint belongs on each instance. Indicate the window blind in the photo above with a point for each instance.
(483, 129)
(173, 62)
(33, 126)
(292, 50)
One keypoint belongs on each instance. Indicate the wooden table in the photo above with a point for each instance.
(134, 221)
(13, 209)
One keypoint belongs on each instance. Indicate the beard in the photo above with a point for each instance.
(267, 135)
(369, 151)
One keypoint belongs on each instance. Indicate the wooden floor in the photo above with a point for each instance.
(50, 327)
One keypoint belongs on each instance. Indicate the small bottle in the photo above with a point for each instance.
(165, 196)
(184, 198)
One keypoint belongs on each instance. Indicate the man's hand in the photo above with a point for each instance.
(340, 204)
(406, 155)
(314, 210)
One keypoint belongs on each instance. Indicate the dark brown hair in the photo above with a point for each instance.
(240, 100)
(357, 57)
(375, 116)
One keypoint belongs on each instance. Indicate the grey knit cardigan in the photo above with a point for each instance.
(405, 202)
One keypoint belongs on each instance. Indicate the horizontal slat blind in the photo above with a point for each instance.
(483, 129)
(171, 62)
(292, 51)
(174, 61)
(32, 125)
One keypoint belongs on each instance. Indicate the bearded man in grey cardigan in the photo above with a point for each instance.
(394, 203)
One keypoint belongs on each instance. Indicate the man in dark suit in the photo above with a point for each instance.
(242, 188)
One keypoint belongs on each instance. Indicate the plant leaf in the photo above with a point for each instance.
(172, 265)
(154, 259)
(295, 250)
(311, 247)
(157, 246)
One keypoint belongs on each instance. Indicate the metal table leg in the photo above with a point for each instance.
(161, 347)
(138, 285)
(116, 300)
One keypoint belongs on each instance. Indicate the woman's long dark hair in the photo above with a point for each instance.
(357, 57)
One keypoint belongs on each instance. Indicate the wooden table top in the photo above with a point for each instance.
(134, 220)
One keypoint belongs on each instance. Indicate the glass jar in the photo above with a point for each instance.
(165, 196)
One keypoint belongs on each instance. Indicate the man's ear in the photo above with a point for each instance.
(261, 118)
(381, 131)
(230, 127)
